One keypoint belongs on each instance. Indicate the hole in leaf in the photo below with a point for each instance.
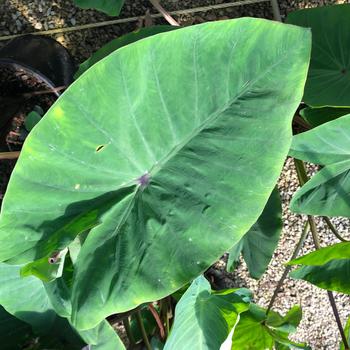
(100, 148)
(343, 71)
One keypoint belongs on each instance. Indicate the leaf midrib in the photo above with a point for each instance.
(212, 117)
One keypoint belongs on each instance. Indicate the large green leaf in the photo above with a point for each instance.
(120, 42)
(319, 116)
(259, 243)
(327, 268)
(257, 331)
(327, 193)
(203, 319)
(329, 74)
(110, 7)
(166, 148)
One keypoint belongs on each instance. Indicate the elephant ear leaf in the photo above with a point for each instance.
(110, 7)
(164, 152)
(259, 243)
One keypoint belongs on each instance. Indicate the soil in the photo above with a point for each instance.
(19, 95)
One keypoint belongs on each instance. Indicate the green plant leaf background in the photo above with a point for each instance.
(164, 148)
(110, 7)
(259, 243)
(329, 74)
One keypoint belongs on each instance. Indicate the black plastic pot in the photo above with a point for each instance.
(42, 55)
(31, 67)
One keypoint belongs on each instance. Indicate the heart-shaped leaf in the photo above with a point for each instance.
(329, 74)
(165, 149)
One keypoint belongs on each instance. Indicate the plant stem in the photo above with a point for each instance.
(143, 331)
(158, 320)
(9, 155)
(288, 267)
(337, 319)
(164, 312)
(169, 314)
(302, 175)
(164, 13)
(334, 230)
(126, 324)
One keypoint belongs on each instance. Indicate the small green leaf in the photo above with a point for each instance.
(324, 255)
(259, 243)
(333, 275)
(327, 268)
(31, 120)
(318, 116)
(257, 331)
(329, 73)
(203, 319)
(110, 7)
(120, 42)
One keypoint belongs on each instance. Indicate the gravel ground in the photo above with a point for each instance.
(318, 327)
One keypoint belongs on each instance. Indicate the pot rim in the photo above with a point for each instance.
(30, 71)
